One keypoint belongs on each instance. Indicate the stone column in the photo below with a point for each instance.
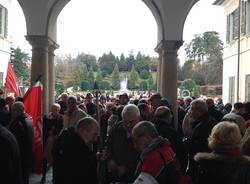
(51, 73)
(167, 49)
(159, 72)
(39, 65)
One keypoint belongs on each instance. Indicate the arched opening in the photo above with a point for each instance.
(98, 27)
(13, 42)
(106, 25)
(205, 24)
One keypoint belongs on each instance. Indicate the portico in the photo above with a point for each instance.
(41, 17)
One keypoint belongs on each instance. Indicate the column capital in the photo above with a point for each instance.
(53, 45)
(168, 45)
(41, 41)
(37, 41)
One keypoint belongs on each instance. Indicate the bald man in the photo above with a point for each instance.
(21, 127)
(165, 127)
(74, 160)
(157, 161)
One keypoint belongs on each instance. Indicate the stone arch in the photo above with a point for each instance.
(55, 10)
(191, 5)
(59, 5)
(158, 18)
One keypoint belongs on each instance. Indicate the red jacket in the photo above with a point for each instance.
(158, 160)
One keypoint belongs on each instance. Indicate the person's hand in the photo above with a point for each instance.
(112, 166)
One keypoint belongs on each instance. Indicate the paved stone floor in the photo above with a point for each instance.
(35, 179)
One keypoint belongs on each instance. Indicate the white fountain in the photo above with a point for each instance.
(124, 84)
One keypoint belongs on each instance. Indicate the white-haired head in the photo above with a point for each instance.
(130, 116)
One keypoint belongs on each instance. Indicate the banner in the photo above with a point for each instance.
(11, 82)
(33, 106)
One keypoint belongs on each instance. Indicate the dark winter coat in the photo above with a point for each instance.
(91, 109)
(121, 150)
(55, 125)
(201, 130)
(4, 119)
(22, 129)
(215, 113)
(167, 131)
(158, 160)
(10, 165)
(74, 162)
(199, 139)
(222, 169)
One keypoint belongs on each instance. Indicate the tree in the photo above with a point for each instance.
(99, 76)
(20, 62)
(85, 85)
(153, 63)
(81, 74)
(115, 78)
(78, 81)
(190, 85)
(206, 53)
(122, 64)
(91, 78)
(150, 82)
(130, 61)
(143, 86)
(104, 85)
(133, 79)
(199, 78)
(141, 63)
(87, 59)
(188, 69)
(107, 62)
(144, 74)
(65, 69)
(59, 86)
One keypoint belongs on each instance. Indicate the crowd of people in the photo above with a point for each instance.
(123, 140)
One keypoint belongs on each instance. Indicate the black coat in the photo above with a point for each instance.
(121, 150)
(22, 129)
(5, 119)
(167, 131)
(200, 133)
(215, 113)
(199, 140)
(10, 166)
(74, 162)
(222, 169)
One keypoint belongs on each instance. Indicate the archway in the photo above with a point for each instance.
(41, 29)
(211, 20)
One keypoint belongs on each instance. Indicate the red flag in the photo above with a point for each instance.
(11, 82)
(33, 106)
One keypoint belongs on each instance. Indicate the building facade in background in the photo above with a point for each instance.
(236, 51)
(4, 40)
